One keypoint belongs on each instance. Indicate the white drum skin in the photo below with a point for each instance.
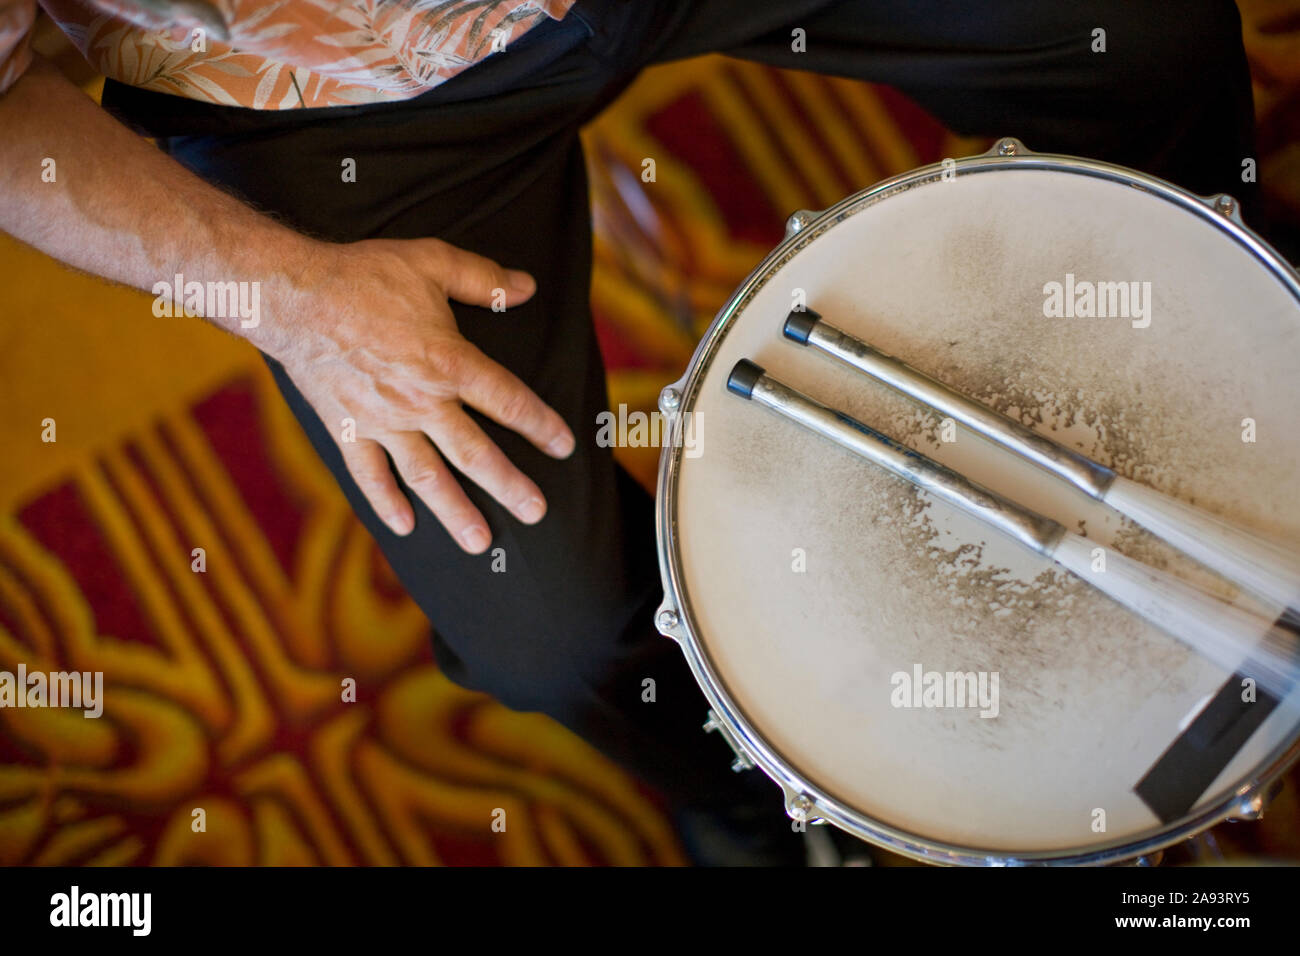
(801, 579)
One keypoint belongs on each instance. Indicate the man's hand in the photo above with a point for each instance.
(376, 342)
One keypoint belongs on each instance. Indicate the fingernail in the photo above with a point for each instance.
(561, 447)
(475, 539)
(531, 511)
(520, 282)
(401, 524)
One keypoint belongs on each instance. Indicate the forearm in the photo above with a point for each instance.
(121, 209)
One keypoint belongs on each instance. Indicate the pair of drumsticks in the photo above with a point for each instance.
(1236, 637)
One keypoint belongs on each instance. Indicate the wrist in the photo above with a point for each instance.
(291, 314)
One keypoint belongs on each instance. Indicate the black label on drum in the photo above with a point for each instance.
(1176, 781)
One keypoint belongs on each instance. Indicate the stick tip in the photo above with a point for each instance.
(799, 325)
(744, 376)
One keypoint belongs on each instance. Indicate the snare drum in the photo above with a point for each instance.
(902, 671)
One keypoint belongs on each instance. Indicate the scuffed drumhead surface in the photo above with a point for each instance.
(816, 581)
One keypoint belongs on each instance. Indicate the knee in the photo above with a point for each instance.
(541, 651)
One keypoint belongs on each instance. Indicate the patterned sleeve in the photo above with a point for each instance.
(16, 19)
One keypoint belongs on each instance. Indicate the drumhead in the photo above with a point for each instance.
(811, 589)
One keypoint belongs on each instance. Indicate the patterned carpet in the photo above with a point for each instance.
(225, 686)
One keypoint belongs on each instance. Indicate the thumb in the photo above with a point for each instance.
(477, 280)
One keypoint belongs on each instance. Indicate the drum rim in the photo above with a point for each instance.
(675, 618)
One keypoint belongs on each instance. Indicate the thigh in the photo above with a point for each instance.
(490, 162)
(1164, 88)
(550, 598)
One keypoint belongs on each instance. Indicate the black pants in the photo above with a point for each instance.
(491, 161)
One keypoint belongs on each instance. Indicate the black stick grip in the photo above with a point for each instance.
(744, 377)
(799, 325)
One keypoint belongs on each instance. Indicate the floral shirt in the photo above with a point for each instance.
(277, 54)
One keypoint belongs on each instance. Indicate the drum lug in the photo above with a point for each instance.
(1150, 859)
(1248, 809)
(798, 220)
(1226, 206)
(668, 622)
(800, 806)
(1254, 806)
(670, 399)
(743, 760)
(1008, 146)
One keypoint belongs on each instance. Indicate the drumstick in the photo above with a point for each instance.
(1257, 565)
(1229, 636)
